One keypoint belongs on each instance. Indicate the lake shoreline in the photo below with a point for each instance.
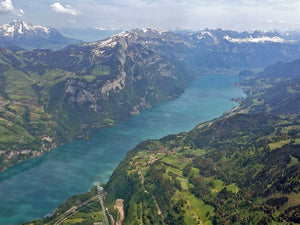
(74, 167)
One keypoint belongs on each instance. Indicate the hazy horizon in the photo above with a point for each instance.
(244, 15)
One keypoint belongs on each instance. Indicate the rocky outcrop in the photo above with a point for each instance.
(115, 86)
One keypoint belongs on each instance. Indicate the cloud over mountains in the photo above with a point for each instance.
(7, 7)
(65, 9)
(159, 14)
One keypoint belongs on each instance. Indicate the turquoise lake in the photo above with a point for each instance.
(36, 187)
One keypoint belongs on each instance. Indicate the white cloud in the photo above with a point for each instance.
(71, 21)
(162, 14)
(195, 3)
(19, 12)
(65, 9)
(7, 7)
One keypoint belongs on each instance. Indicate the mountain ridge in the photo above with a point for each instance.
(25, 35)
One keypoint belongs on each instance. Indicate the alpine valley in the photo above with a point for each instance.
(241, 168)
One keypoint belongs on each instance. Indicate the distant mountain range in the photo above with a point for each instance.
(20, 34)
(88, 34)
(207, 49)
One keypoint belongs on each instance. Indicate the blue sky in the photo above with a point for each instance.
(159, 14)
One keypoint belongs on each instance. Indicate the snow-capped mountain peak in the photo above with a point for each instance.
(25, 35)
(257, 37)
(16, 28)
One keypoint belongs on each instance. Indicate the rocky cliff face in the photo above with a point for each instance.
(68, 93)
(127, 78)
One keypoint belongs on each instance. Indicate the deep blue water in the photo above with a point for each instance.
(36, 187)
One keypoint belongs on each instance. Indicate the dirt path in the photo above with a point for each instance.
(159, 212)
(121, 214)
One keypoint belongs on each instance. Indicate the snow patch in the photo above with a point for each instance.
(26, 26)
(101, 46)
(124, 34)
(9, 29)
(21, 28)
(274, 39)
(107, 43)
(145, 30)
(203, 33)
(207, 32)
(45, 29)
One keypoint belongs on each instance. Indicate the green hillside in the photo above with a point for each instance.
(44, 105)
(242, 168)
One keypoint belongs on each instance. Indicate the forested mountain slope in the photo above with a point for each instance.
(43, 105)
(242, 168)
(51, 97)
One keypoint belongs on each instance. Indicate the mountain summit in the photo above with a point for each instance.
(28, 36)
(21, 28)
